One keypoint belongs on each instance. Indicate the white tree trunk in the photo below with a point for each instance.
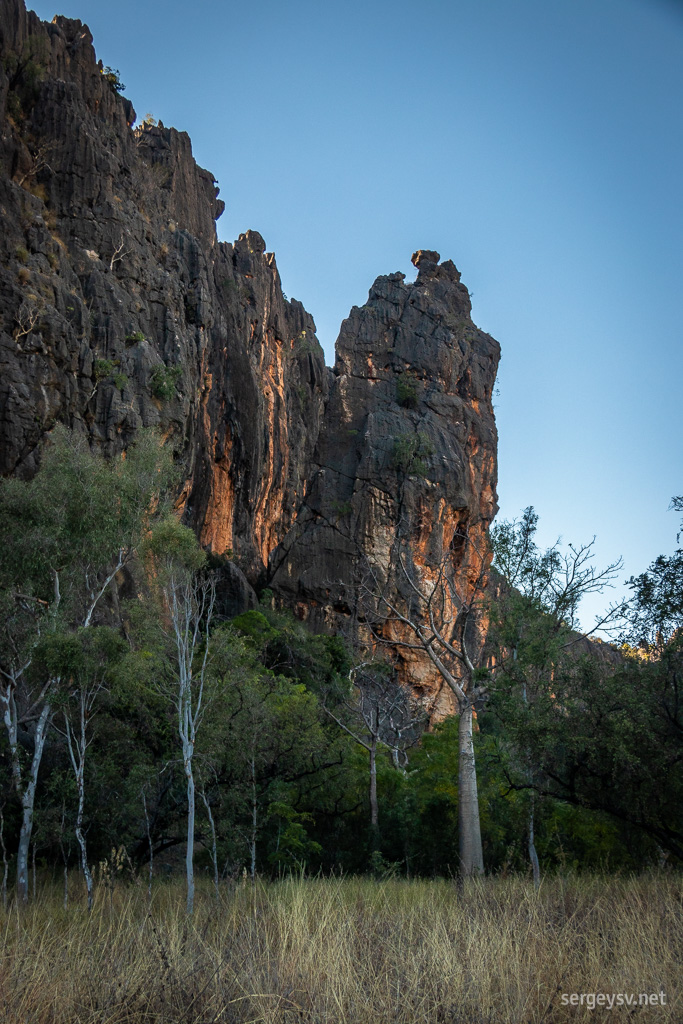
(533, 856)
(28, 796)
(189, 857)
(471, 854)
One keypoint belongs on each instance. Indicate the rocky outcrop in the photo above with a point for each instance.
(408, 443)
(119, 310)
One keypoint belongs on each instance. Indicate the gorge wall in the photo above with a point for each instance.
(119, 309)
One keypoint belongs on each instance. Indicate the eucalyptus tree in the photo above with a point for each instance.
(188, 599)
(439, 611)
(534, 625)
(88, 658)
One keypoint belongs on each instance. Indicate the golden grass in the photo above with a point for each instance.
(351, 951)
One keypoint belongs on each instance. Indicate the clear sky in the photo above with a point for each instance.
(537, 143)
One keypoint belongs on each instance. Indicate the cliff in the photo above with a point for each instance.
(120, 309)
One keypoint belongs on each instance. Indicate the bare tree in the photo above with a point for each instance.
(28, 318)
(39, 161)
(439, 611)
(120, 252)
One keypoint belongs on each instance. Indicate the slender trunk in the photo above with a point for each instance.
(374, 813)
(5, 865)
(254, 820)
(80, 836)
(151, 848)
(33, 864)
(214, 848)
(64, 856)
(533, 856)
(189, 859)
(78, 746)
(27, 803)
(471, 854)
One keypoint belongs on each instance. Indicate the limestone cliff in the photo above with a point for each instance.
(120, 309)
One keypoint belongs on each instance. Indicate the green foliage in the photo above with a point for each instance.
(406, 391)
(292, 847)
(657, 609)
(77, 516)
(135, 338)
(163, 382)
(103, 368)
(112, 76)
(306, 343)
(21, 253)
(120, 381)
(410, 452)
(172, 544)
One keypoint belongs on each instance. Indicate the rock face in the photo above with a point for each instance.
(408, 443)
(119, 309)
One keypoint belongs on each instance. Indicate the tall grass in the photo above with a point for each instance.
(347, 951)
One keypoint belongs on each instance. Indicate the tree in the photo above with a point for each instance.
(189, 598)
(534, 625)
(439, 611)
(657, 604)
(64, 537)
(87, 659)
(378, 714)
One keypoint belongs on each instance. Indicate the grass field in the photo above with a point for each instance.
(327, 951)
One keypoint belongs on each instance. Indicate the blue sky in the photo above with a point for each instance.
(538, 144)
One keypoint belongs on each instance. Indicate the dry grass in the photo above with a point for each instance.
(352, 951)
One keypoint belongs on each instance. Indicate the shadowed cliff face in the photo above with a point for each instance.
(119, 309)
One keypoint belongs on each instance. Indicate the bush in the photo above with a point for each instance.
(134, 338)
(163, 382)
(406, 391)
(409, 453)
(112, 76)
(103, 369)
(21, 253)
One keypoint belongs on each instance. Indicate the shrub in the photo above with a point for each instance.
(409, 453)
(406, 391)
(120, 381)
(112, 76)
(163, 382)
(342, 509)
(21, 253)
(103, 369)
(134, 338)
(23, 275)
